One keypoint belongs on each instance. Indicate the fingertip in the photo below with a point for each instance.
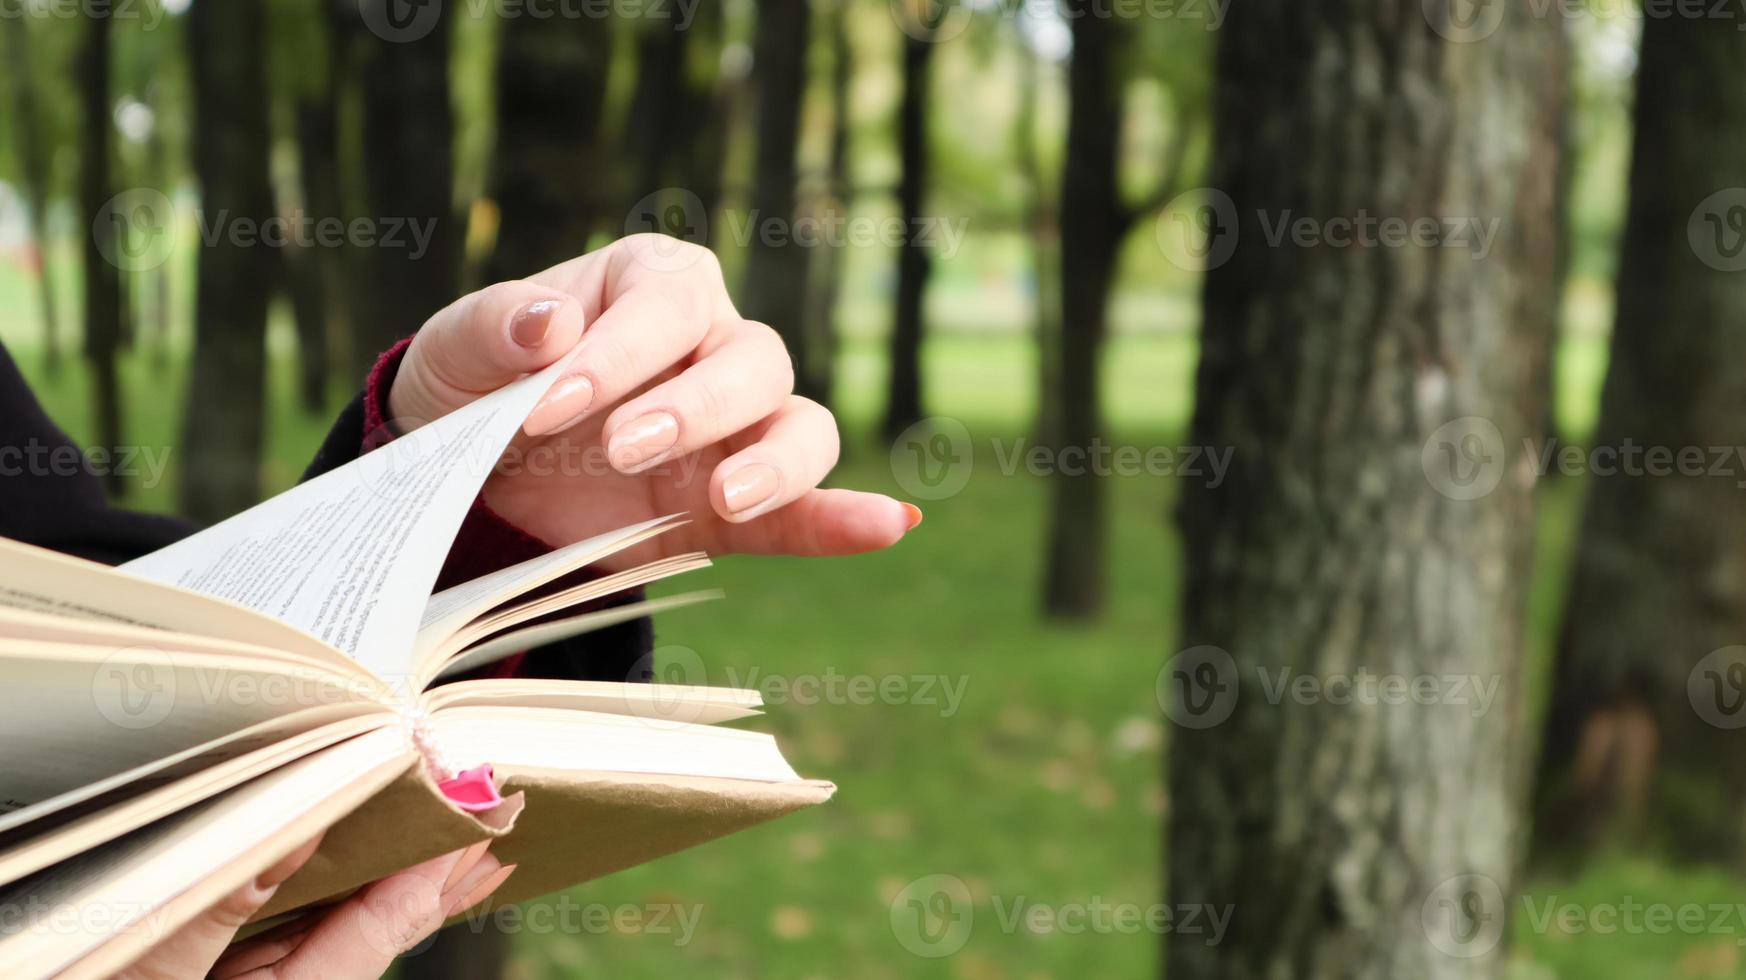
(866, 522)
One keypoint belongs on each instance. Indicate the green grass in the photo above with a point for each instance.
(1045, 783)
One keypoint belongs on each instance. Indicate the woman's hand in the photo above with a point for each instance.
(355, 940)
(673, 403)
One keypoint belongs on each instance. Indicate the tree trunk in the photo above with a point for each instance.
(774, 289)
(1043, 225)
(1376, 517)
(549, 169)
(1645, 697)
(223, 429)
(314, 271)
(33, 167)
(102, 276)
(825, 284)
(1092, 223)
(409, 175)
(903, 403)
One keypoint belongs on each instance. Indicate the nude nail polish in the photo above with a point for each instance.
(642, 442)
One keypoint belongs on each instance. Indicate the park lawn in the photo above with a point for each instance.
(1042, 786)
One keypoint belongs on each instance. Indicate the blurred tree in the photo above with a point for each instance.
(1353, 838)
(773, 290)
(825, 285)
(224, 423)
(103, 298)
(308, 74)
(1638, 716)
(1093, 223)
(408, 159)
(903, 402)
(550, 175)
(1043, 224)
(33, 152)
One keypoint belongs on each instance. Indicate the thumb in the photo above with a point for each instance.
(480, 343)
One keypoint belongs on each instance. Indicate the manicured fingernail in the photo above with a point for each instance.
(563, 406)
(641, 442)
(915, 516)
(468, 859)
(530, 325)
(750, 486)
(485, 888)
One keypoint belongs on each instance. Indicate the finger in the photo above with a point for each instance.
(199, 943)
(795, 450)
(264, 950)
(677, 267)
(645, 290)
(739, 383)
(643, 333)
(363, 934)
(827, 522)
(482, 342)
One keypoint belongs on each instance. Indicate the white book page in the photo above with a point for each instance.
(351, 556)
(119, 887)
(454, 607)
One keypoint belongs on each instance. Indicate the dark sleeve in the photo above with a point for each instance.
(51, 491)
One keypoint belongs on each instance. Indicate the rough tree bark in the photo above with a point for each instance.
(224, 423)
(103, 299)
(549, 173)
(409, 175)
(33, 172)
(1640, 711)
(1092, 223)
(774, 288)
(1353, 835)
(903, 400)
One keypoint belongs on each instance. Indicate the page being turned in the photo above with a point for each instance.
(352, 555)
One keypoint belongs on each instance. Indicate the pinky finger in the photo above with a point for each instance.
(827, 522)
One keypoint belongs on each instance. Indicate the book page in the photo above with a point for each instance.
(351, 556)
(454, 607)
(513, 641)
(118, 889)
(49, 583)
(73, 715)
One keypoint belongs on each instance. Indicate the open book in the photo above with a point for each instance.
(170, 729)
